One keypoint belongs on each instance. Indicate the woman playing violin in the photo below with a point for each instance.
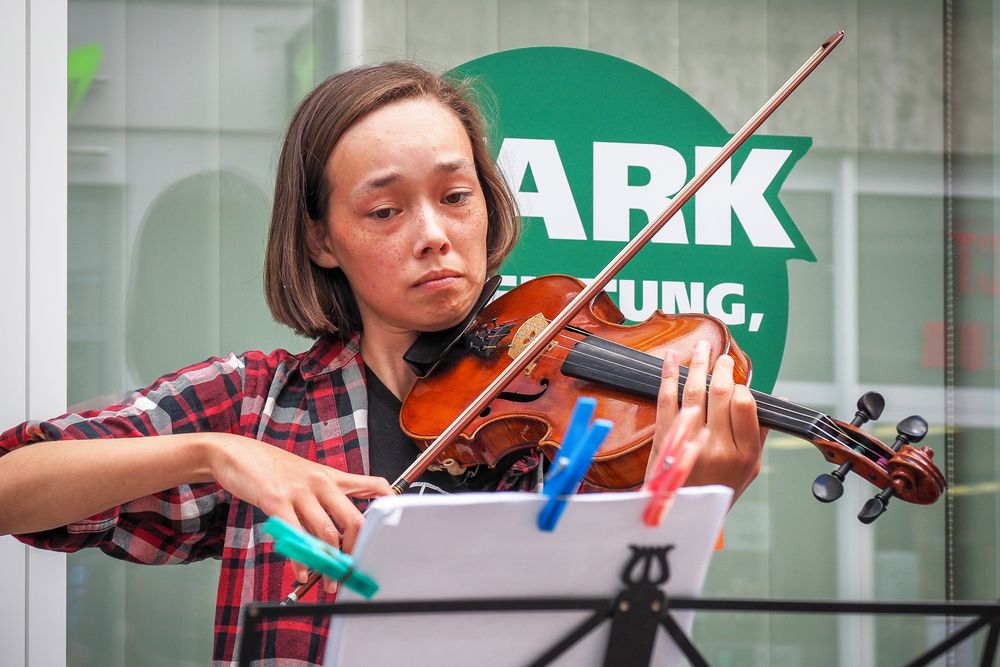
(388, 217)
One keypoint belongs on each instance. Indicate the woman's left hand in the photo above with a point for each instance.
(732, 452)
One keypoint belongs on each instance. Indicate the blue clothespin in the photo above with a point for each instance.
(318, 555)
(572, 461)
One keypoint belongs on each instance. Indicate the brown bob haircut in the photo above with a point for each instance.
(314, 301)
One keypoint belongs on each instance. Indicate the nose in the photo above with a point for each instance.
(432, 232)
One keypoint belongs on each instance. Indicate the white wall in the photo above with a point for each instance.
(32, 297)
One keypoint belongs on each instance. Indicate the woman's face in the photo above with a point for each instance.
(407, 218)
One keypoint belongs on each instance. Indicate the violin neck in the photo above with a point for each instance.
(598, 360)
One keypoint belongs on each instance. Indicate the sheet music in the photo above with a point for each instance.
(482, 545)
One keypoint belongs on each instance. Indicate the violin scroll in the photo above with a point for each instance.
(912, 476)
(900, 470)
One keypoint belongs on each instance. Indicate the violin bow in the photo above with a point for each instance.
(542, 340)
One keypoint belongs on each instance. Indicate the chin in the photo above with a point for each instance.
(441, 325)
(452, 314)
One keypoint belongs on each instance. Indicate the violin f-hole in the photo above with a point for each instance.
(518, 397)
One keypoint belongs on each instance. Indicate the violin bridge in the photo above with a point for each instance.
(533, 326)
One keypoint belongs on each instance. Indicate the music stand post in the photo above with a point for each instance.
(637, 612)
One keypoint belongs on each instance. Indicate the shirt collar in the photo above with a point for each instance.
(329, 354)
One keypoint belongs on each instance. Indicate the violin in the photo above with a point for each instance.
(529, 354)
(598, 355)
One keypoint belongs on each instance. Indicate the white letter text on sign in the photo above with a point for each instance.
(553, 200)
(614, 198)
(742, 194)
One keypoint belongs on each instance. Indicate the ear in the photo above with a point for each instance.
(318, 240)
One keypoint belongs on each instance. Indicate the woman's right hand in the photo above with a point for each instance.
(304, 493)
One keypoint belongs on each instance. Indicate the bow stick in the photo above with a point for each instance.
(559, 322)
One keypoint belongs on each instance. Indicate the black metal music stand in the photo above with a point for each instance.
(637, 613)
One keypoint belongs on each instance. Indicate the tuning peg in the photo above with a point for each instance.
(830, 486)
(911, 429)
(870, 408)
(874, 508)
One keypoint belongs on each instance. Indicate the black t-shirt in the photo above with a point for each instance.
(390, 451)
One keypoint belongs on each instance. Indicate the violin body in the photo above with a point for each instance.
(535, 408)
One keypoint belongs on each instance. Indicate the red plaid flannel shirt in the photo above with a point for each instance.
(313, 404)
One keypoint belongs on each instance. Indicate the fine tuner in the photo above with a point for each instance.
(829, 486)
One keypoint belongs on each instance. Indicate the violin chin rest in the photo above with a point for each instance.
(431, 346)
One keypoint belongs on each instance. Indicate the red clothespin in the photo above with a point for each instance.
(673, 464)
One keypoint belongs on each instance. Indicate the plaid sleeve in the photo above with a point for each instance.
(182, 524)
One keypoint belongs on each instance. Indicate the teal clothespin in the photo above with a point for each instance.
(572, 461)
(318, 555)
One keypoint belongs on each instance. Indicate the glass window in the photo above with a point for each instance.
(177, 111)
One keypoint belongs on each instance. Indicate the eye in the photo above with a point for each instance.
(383, 213)
(457, 197)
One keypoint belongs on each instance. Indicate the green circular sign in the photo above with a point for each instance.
(594, 147)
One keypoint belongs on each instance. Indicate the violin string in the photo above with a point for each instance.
(765, 406)
(796, 412)
(782, 409)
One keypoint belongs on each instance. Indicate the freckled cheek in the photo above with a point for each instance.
(474, 225)
(373, 255)
(366, 268)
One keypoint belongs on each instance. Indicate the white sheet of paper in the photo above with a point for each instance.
(483, 545)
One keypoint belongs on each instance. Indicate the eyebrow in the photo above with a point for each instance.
(378, 182)
(452, 166)
(447, 167)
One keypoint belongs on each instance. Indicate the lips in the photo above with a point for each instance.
(437, 277)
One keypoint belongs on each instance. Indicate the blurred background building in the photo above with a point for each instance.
(175, 113)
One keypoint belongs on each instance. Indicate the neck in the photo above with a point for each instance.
(382, 351)
(598, 360)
